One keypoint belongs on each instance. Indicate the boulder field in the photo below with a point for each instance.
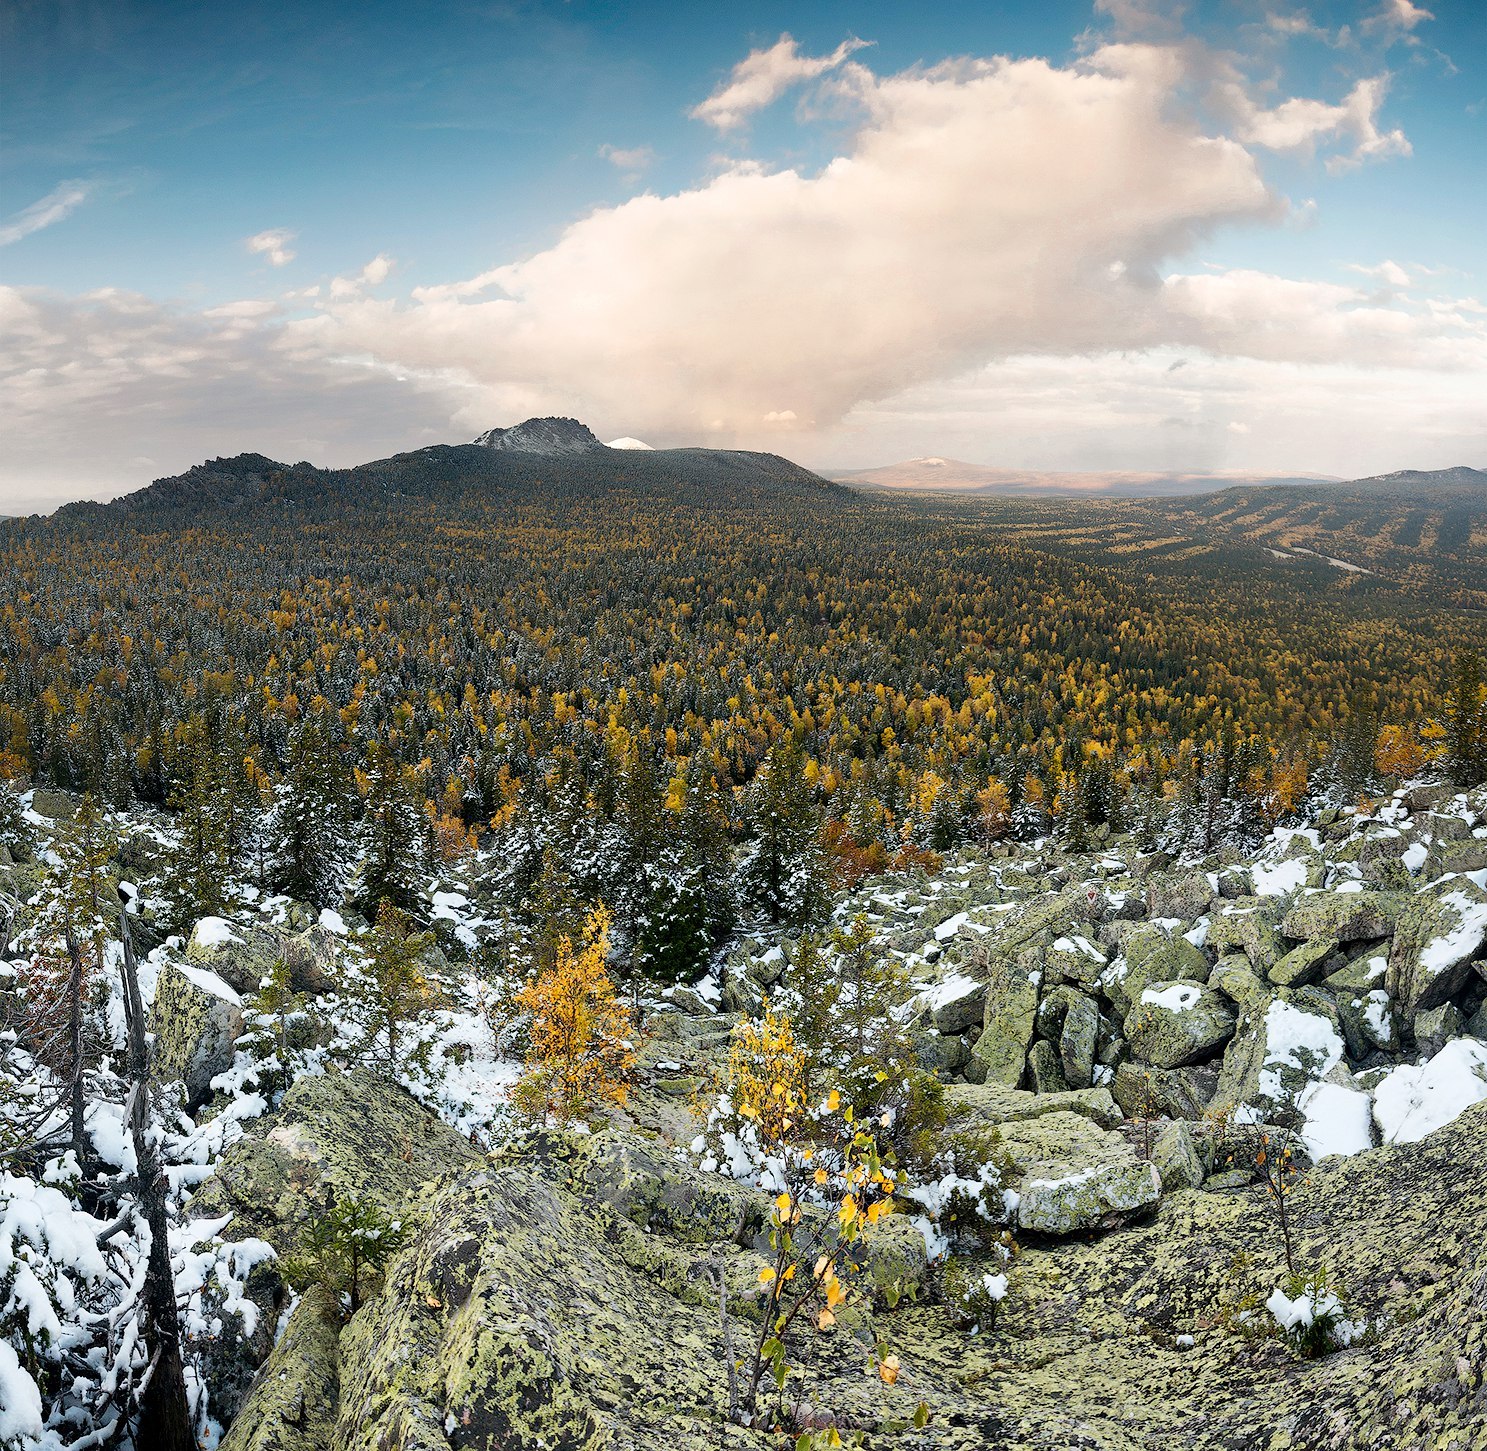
(560, 1294)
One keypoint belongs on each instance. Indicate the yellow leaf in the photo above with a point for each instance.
(766, 1277)
(888, 1370)
(825, 1320)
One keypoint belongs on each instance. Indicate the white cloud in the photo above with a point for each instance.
(1146, 18)
(1400, 15)
(984, 209)
(763, 77)
(374, 274)
(1391, 274)
(1030, 227)
(1301, 124)
(100, 393)
(56, 206)
(629, 159)
(273, 246)
(1105, 411)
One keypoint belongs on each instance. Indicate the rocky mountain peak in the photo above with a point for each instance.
(542, 435)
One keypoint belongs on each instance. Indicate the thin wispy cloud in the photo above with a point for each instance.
(763, 77)
(631, 160)
(56, 206)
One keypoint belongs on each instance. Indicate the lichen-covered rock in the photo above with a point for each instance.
(353, 1132)
(959, 1003)
(1435, 1027)
(1439, 933)
(1000, 1053)
(1459, 857)
(54, 805)
(1173, 1024)
(1150, 955)
(1239, 982)
(529, 1316)
(1077, 1041)
(1304, 964)
(1184, 895)
(241, 956)
(1250, 925)
(1143, 1091)
(1177, 1159)
(196, 1019)
(1045, 1069)
(1369, 1023)
(1073, 1176)
(1342, 916)
(531, 1313)
(1275, 1055)
(293, 1402)
(646, 1185)
(996, 1104)
(1074, 959)
(936, 1053)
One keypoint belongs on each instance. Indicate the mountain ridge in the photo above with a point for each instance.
(554, 452)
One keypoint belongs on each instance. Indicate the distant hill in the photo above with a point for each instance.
(1420, 485)
(556, 454)
(935, 473)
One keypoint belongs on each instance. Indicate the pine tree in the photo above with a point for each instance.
(706, 846)
(15, 834)
(397, 991)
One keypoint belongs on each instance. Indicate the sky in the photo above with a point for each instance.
(1129, 234)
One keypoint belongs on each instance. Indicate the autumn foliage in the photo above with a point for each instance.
(581, 1049)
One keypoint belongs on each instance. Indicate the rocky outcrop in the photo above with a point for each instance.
(543, 1303)
(293, 1403)
(196, 1019)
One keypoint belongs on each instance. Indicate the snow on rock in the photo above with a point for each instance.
(1278, 878)
(950, 926)
(208, 982)
(1175, 997)
(212, 932)
(332, 921)
(1415, 1099)
(1338, 1120)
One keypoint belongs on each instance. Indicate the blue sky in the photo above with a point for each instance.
(145, 145)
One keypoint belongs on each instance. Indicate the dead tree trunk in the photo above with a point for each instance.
(75, 1045)
(164, 1414)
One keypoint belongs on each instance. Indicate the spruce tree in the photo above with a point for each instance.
(306, 825)
(783, 873)
(394, 838)
(203, 859)
(1466, 722)
(15, 834)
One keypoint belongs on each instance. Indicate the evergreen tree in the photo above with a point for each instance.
(1466, 722)
(305, 827)
(15, 834)
(706, 846)
(203, 860)
(394, 837)
(783, 874)
(397, 991)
